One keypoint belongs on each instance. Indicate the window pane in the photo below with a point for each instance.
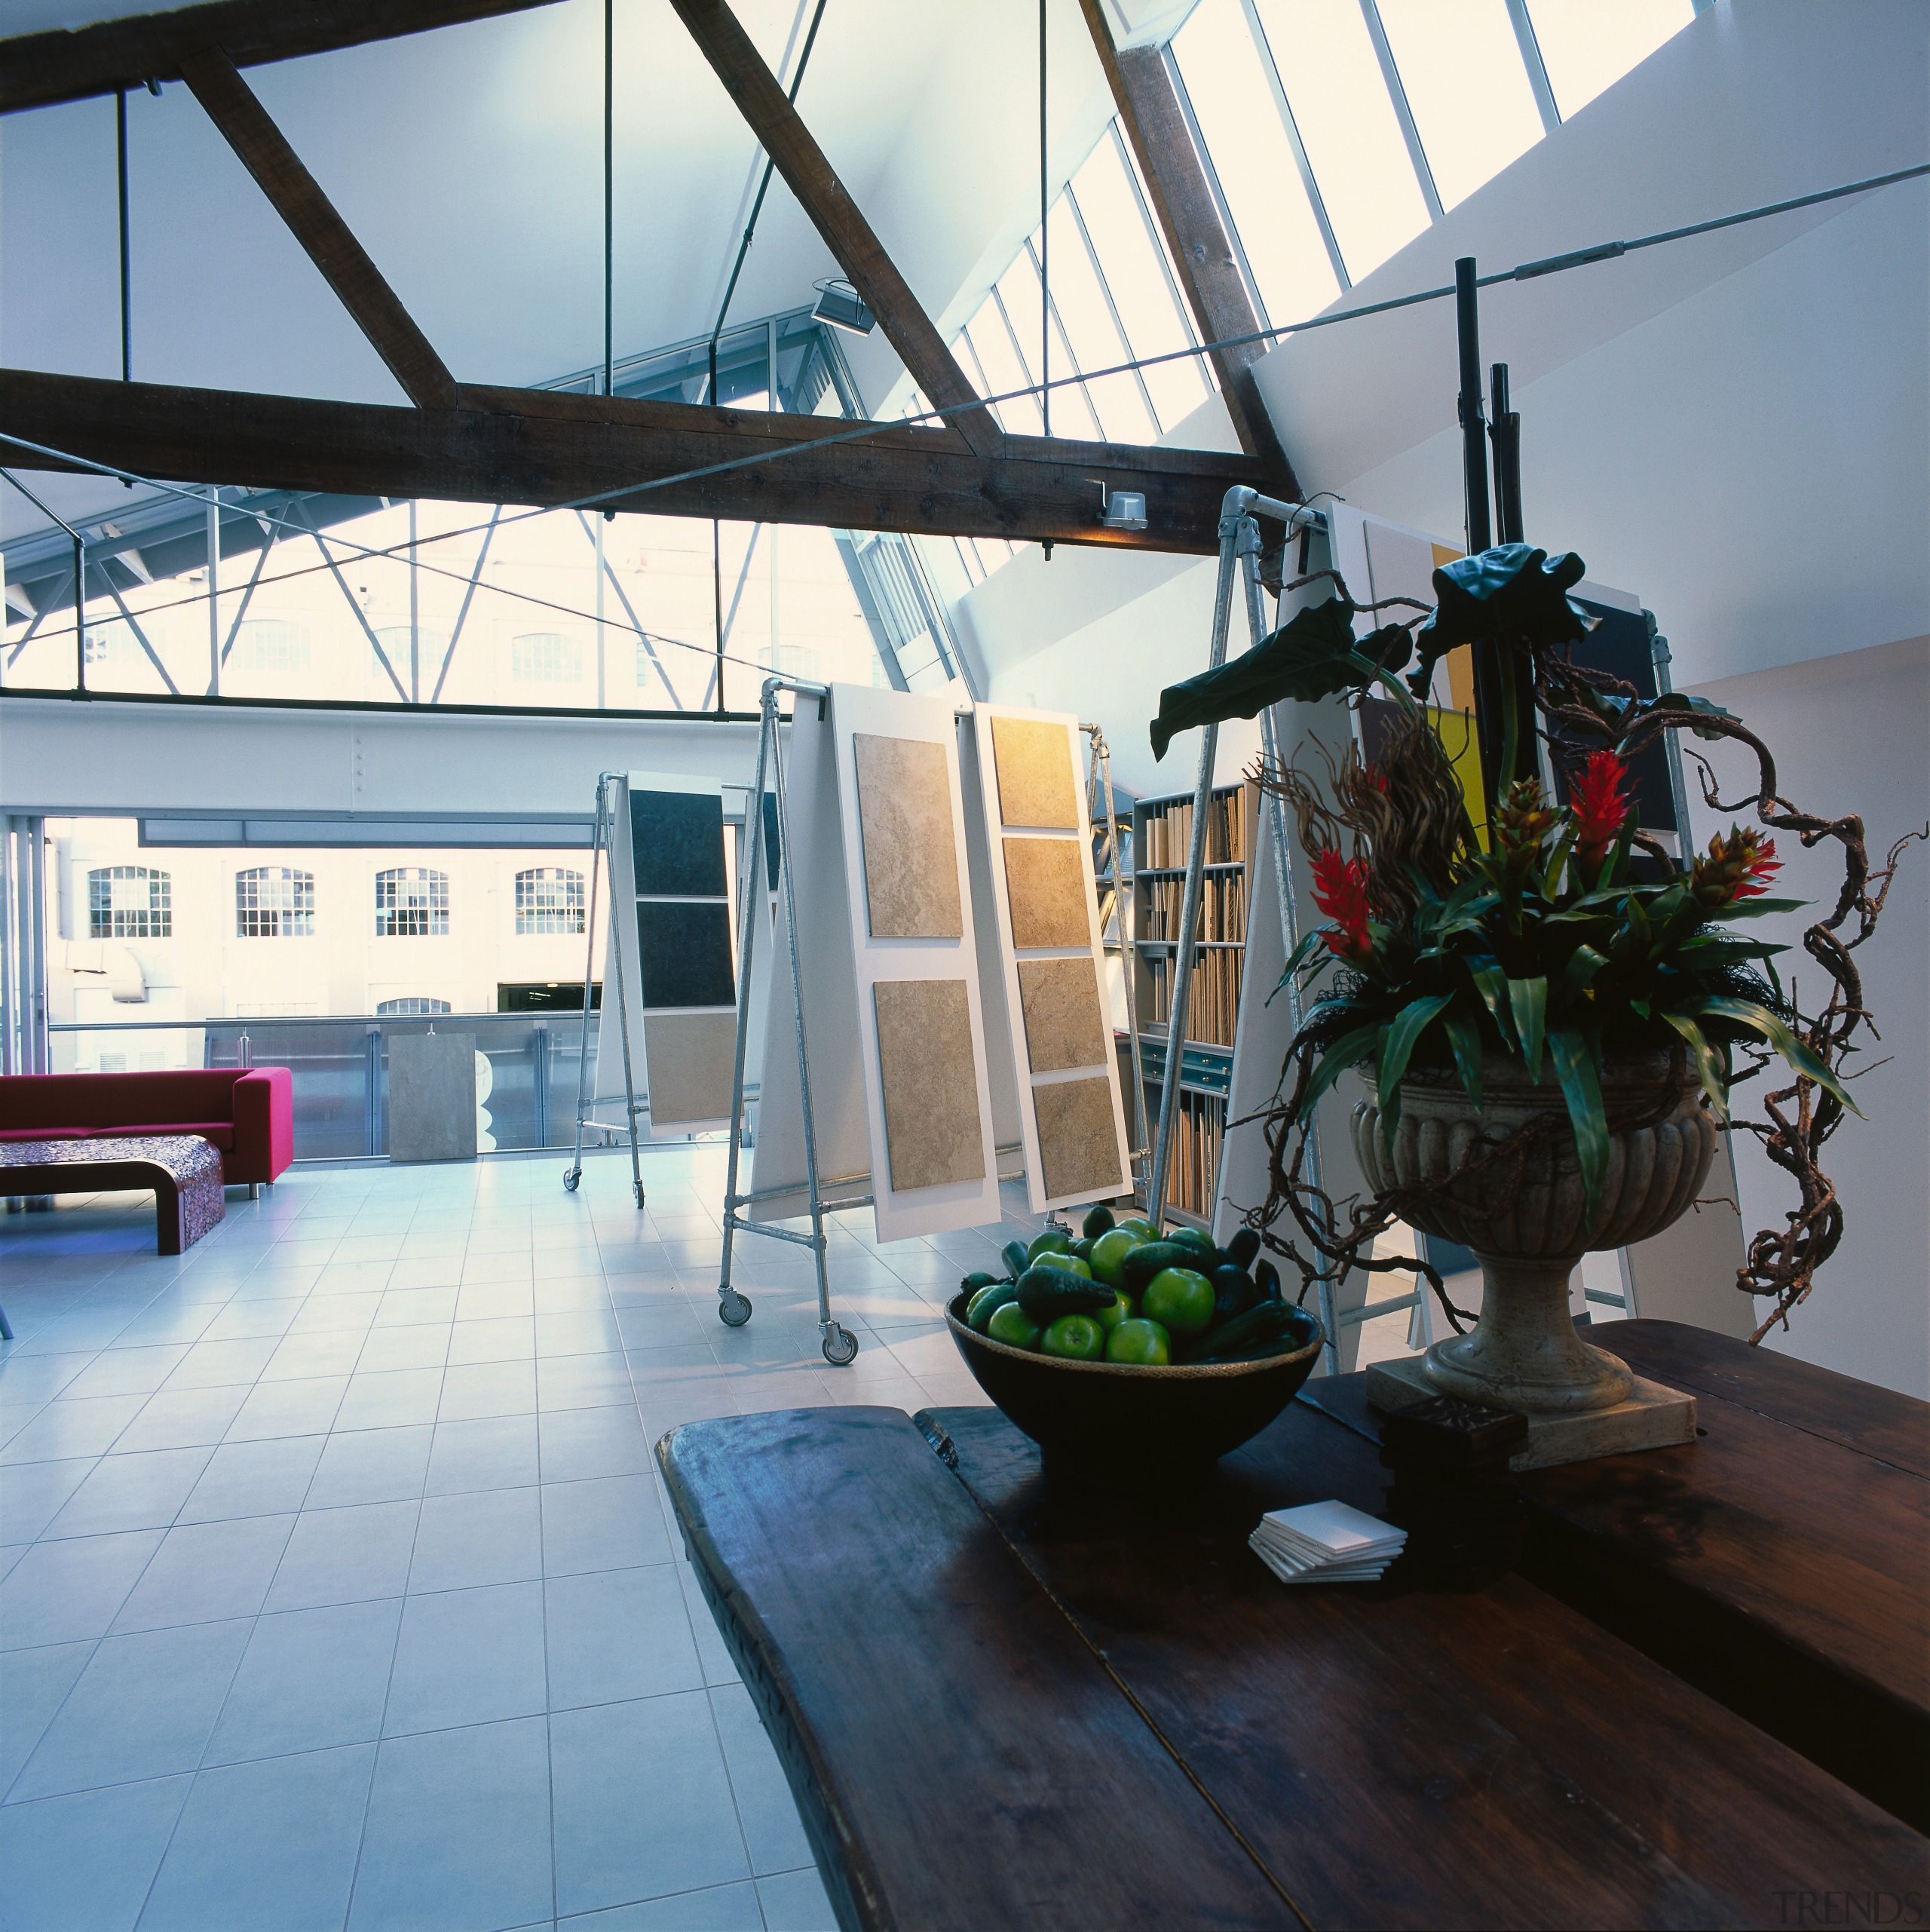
(1237, 114)
(1587, 47)
(1347, 124)
(1109, 199)
(1461, 68)
(1095, 339)
(1004, 372)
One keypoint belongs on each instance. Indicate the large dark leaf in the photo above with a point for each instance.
(1760, 1020)
(1312, 655)
(1345, 1052)
(1508, 593)
(1581, 1087)
(1397, 1046)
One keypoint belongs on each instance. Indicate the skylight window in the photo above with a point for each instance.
(1588, 47)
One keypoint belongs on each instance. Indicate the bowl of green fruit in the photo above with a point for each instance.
(1121, 1350)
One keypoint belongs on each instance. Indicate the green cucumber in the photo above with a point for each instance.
(1258, 1329)
(1016, 1258)
(1234, 1291)
(1046, 1293)
(1147, 1260)
(987, 1303)
(1098, 1221)
(1268, 1276)
(1243, 1248)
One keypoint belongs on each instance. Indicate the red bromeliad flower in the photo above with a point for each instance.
(1600, 810)
(1340, 890)
(1738, 867)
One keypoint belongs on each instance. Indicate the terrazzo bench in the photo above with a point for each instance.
(183, 1169)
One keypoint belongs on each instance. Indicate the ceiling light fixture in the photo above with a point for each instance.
(840, 304)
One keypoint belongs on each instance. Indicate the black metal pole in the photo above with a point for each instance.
(1506, 432)
(1474, 446)
(609, 219)
(127, 279)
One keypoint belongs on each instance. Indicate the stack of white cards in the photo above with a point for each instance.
(1325, 1543)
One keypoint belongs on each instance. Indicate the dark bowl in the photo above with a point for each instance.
(1109, 1417)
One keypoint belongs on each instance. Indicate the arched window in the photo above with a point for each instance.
(545, 656)
(129, 902)
(274, 902)
(404, 1009)
(411, 902)
(267, 644)
(548, 899)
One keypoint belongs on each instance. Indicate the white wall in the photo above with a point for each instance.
(1848, 734)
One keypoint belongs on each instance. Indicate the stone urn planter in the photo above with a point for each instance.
(1524, 1353)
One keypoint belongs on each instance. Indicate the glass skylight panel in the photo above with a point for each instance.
(1346, 122)
(1135, 274)
(1587, 47)
(998, 355)
(1080, 298)
(1461, 69)
(1255, 161)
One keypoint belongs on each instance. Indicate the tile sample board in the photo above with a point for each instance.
(670, 887)
(1051, 962)
(830, 1019)
(913, 948)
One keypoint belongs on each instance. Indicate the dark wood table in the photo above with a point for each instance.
(1000, 1704)
(184, 1170)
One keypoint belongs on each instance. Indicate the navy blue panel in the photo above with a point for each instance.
(677, 842)
(771, 854)
(1619, 644)
(685, 955)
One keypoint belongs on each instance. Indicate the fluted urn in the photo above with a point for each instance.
(1527, 1220)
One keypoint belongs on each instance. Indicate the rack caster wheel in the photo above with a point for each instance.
(571, 1177)
(840, 1347)
(733, 1310)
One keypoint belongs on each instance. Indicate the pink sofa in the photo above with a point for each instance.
(248, 1113)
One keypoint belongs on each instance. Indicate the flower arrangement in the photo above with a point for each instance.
(1566, 936)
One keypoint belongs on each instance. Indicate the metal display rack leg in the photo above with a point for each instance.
(1100, 783)
(840, 1344)
(601, 846)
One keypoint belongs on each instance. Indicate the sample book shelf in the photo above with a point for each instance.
(1162, 837)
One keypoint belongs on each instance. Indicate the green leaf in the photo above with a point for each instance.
(1464, 1036)
(1527, 1001)
(1397, 1046)
(1348, 1051)
(1492, 984)
(1760, 1020)
(1682, 701)
(1583, 963)
(1708, 1062)
(1574, 1067)
(1754, 909)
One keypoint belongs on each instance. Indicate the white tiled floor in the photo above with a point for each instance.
(336, 1588)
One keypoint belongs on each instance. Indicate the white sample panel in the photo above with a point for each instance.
(964, 1109)
(1072, 1121)
(816, 857)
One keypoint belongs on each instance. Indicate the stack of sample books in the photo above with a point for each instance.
(1326, 1543)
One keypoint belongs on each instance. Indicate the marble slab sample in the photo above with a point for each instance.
(685, 954)
(1046, 885)
(677, 844)
(1060, 998)
(1035, 782)
(1078, 1138)
(432, 1096)
(691, 1060)
(932, 1129)
(904, 812)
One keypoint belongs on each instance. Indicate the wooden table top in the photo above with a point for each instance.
(1002, 1705)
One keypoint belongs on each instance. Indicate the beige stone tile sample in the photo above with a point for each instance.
(932, 1127)
(1035, 782)
(690, 1059)
(1046, 885)
(905, 823)
(1060, 998)
(1078, 1138)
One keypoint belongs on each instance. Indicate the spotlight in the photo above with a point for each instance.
(839, 304)
(1123, 509)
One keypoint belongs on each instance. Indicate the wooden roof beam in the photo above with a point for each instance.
(76, 63)
(549, 448)
(1183, 201)
(311, 218)
(857, 251)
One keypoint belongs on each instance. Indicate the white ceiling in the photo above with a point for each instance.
(468, 162)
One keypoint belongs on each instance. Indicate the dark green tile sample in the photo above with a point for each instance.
(685, 954)
(677, 840)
